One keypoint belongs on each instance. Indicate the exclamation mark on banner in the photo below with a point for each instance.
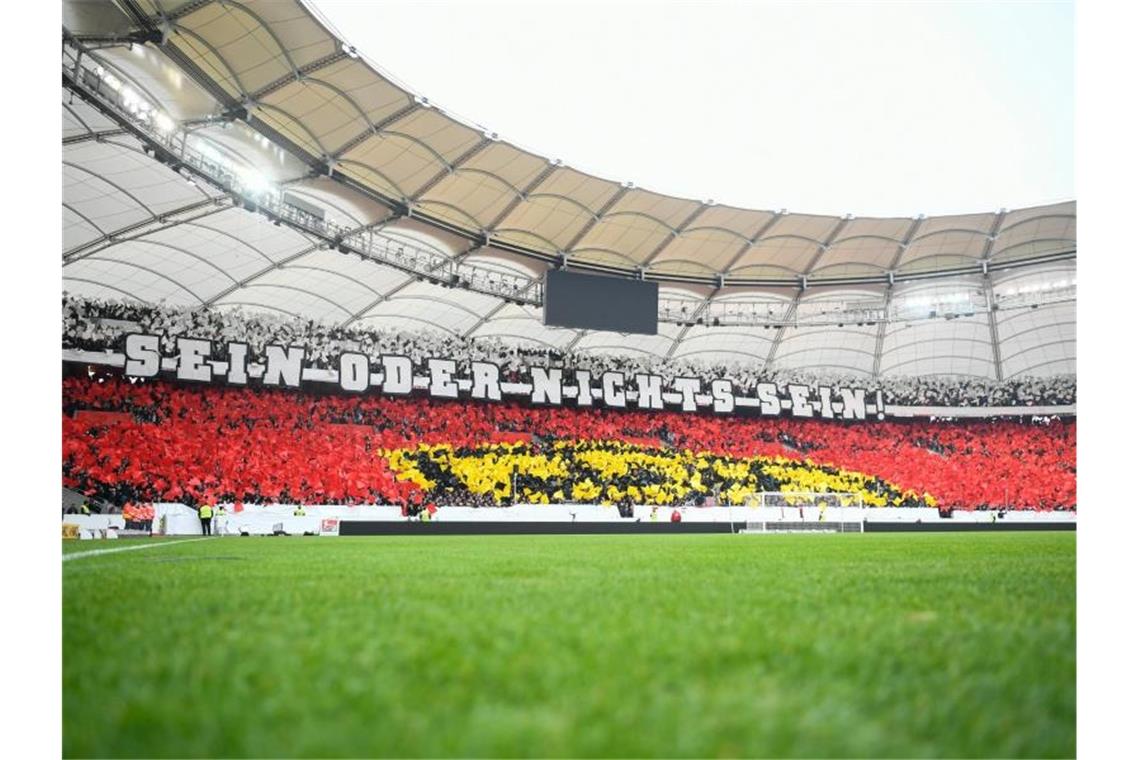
(879, 404)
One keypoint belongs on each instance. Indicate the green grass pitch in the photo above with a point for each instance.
(697, 645)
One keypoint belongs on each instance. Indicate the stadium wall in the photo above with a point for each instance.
(182, 520)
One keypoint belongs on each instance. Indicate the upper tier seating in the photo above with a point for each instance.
(98, 325)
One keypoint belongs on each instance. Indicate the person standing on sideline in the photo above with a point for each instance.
(219, 515)
(205, 514)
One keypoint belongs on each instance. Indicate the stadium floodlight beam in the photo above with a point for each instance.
(163, 122)
(254, 181)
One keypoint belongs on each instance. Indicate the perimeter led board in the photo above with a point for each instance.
(596, 302)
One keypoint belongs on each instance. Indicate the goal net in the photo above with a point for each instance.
(802, 512)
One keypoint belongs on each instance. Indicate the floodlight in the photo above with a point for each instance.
(254, 181)
(163, 122)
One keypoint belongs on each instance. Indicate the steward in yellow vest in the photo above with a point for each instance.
(205, 514)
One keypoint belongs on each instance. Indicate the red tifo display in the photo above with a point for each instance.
(194, 444)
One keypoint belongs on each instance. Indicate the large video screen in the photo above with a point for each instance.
(597, 302)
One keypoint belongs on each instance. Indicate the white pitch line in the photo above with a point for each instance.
(77, 555)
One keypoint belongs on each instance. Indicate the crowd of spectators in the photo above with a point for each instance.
(217, 443)
(624, 474)
(100, 325)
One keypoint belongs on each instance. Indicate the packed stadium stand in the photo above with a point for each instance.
(236, 172)
(193, 444)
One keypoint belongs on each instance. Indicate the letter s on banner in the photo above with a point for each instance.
(769, 399)
(724, 402)
(143, 356)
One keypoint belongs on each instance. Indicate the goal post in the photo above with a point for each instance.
(802, 512)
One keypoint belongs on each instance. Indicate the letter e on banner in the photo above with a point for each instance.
(801, 406)
(192, 364)
(442, 385)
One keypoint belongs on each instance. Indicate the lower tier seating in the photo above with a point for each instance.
(171, 442)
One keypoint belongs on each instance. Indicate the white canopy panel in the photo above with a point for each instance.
(267, 89)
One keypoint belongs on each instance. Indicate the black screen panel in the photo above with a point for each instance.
(597, 302)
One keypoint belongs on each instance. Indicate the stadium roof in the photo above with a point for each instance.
(232, 153)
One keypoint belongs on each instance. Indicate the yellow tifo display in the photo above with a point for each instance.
(612, 472)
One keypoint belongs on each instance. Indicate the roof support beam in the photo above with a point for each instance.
(302, 72)
(396, 288)
(260, 273)
(448, 170)
(286, 286)
(87, 219)
(589, 225)
(530, 188)
(881, 332)
(141, 18)
(746, 247)
(115, 185)
(231, 105)
(375, 129)
(794, 306)
(379, 300)
(184, 10)
(676, 234)
(121, 291)
(487, 317)
(156, 273)
(573, 343)
(99, 136)
(235, 107)
(789, 315)
(697, 313)
(988, 287)
(144, 229)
